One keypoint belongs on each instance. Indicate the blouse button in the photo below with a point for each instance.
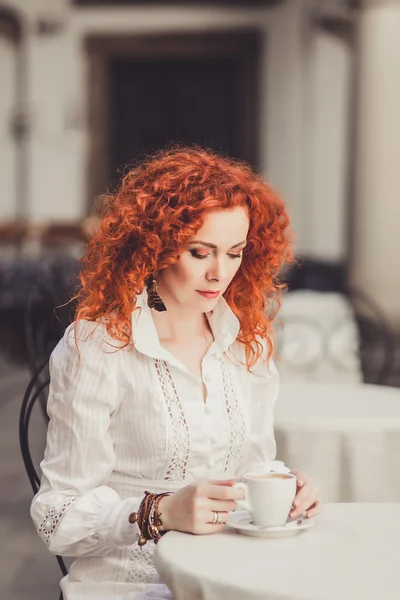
(208, 409)
(210, 462)
(214, 439)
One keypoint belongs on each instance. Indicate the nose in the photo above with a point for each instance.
(217, 271)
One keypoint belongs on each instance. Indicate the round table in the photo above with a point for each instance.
(352, 553)
(347, 436)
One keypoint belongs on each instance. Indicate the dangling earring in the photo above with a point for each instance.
(153, 297)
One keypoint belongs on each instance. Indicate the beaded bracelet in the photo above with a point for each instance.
(148, 518)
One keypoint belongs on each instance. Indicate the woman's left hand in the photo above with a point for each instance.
(308, 500)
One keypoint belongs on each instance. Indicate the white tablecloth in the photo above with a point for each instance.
(346, 435)
(351, 554)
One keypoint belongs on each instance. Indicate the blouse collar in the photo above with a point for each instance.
(224, 326)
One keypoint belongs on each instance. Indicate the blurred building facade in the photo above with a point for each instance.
(305, 90)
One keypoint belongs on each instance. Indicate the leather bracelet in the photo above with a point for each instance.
(148, 518)
(155, 516)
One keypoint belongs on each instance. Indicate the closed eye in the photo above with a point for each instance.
(197, 255)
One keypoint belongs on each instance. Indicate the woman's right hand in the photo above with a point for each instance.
(191, 509)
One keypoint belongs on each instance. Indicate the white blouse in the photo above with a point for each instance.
(123, 421)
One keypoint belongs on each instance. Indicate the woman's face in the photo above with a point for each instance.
(209, 263)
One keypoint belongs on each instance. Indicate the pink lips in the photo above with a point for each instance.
(209, 294)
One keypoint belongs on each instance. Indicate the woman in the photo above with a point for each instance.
(165, 382)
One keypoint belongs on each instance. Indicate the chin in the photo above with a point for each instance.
(207, 304)
(210, 304)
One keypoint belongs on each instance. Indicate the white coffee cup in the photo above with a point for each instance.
(268, 497)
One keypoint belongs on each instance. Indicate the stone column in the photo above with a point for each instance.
(375, 265)
(331, 70)
(8, 147)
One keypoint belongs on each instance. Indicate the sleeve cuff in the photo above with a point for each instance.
(113, 522)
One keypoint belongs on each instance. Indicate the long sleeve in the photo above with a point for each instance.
(75, 512)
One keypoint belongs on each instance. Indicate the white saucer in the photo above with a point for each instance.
(241, 522)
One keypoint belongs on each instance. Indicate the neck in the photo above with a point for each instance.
(178, 325)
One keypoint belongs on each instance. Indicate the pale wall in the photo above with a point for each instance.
(58, 98)
(8, 150)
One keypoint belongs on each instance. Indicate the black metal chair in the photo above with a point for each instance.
(37, 387)
(378, 343)
(40, 336)
(47, 311)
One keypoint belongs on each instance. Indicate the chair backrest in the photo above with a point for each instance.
(378, 343)
(375, 337)
(37, 388)
(47, 313)
(319, 340)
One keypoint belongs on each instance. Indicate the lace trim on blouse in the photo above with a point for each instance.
(237, 424)
(177, 465)
(52, 518)
(140, 564)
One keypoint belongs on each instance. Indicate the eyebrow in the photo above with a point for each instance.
(214, 246)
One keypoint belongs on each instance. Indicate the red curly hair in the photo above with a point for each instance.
(148, 222)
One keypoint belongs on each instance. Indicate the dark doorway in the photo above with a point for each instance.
(153, 103)
(151, 92)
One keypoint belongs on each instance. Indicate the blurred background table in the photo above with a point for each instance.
(350, 554)
(347, 436)
(34, 307)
